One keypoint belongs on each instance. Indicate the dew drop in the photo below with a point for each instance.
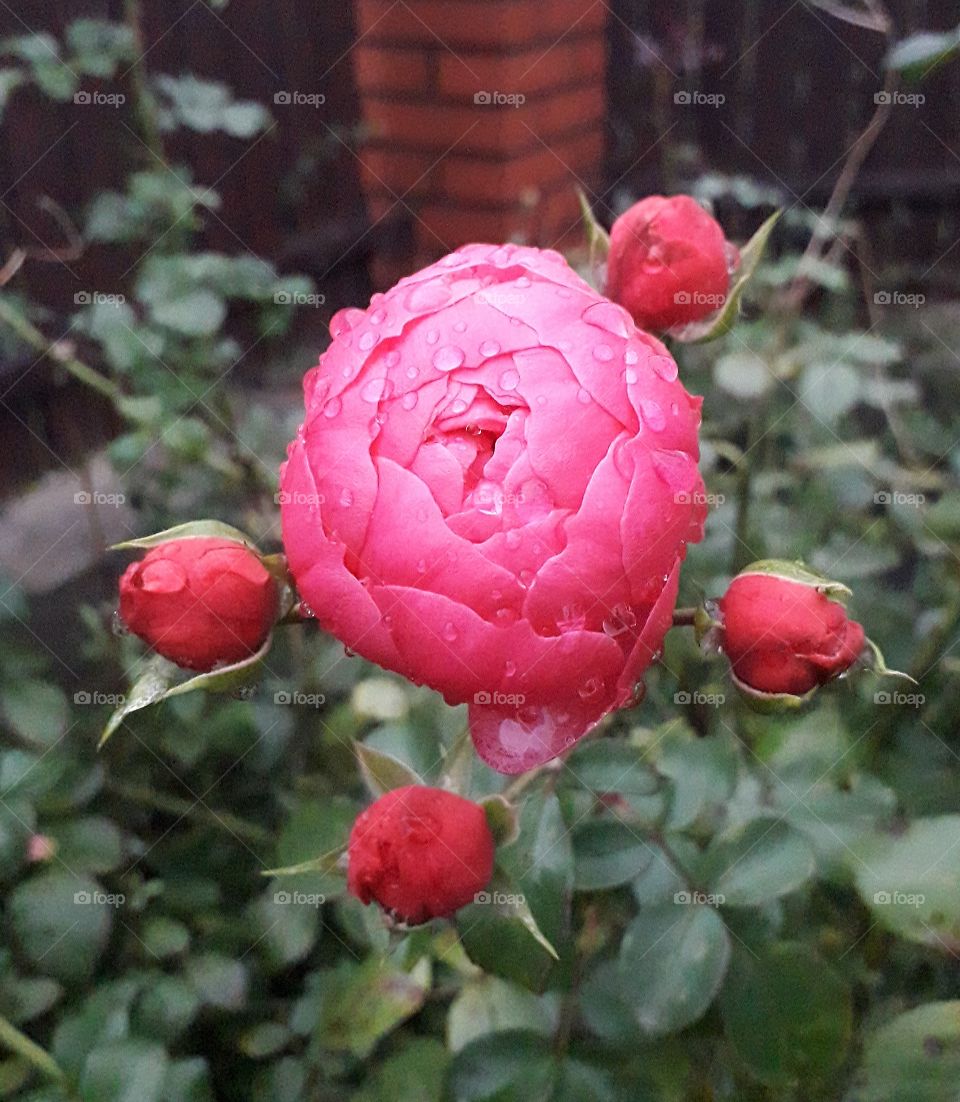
(393, 358)
(448, 358)
(421, 566)
(367, 341)
(622, 459)
(666, 367)
(510, 379)
(523, 282)
(630, 376)
(513, 538)
(653, 416)
(631, 356)
(375, 390)
(450, 632)
(603, 353)
(460, 327)
(509, 668)
(489, 348)
(583, 397)
(346, 499)
(590, 688)
(526, 577)
(607, 315)
(412, 372)
(332, 408)
(433, 336)
(428, 296)
(378, 317)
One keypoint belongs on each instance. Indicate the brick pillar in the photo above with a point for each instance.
(483, 115)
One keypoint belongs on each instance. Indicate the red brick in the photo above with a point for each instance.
(386, 170)
(439, 127)
(460, 23)
(565, 111)
(381, 70)
(529, 73)
(455, 226)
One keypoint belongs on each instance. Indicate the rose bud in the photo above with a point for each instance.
(492, 492)
(669, 262)
(420, 852)
(782, 632)
(200, 602)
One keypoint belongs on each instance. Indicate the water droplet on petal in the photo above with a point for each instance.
(448, 358)
(622, 458)
(590, 688)
(409, 400)
(509, 669)
(630, 377)
(433, 336)
(489, 348)
(609, 316)
(513, 538)
(367, 341)
(631, 356)
(603, 353)
(653, 416)
(332, 408)
(375, 390)
(583, 396)
(412, 372)
(393, 358)
(510, 379)
(523, 282)
(526, 577)
(378, 317)
(665, 367)
(450, 632)
(346, 498)
(428, 296)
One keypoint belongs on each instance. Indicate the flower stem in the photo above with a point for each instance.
(684, 617)
(19, 1043)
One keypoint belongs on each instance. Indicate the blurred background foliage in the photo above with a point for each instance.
(144, 953)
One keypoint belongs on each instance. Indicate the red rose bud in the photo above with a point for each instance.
(782, 632)
(420, 852)
(200, 602)
(669, 262)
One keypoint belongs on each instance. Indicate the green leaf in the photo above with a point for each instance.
(196, 313)
(194, 529)
(383, 772)
(918, 55)
(166, 1007)
(89, 843)
(364, 1002)
(491, 1005)
(920, 1047)
(415, 1073)
(515, 1064)
(36, 711)
(672, 962)
(611, 766)
(750, 256)
(598, 240)
(501, 935)
(502, 818)
(61, 923)
(311, 844)
(218, 981)
(703, 774)
(911, 881)
(761, 861)
(128, 1070)
(787, 1015)
(150, 688)
(743, 375)
(607, 853)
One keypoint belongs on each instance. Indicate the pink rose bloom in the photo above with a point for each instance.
(492, 492)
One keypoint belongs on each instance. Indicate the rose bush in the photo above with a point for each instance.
(492, 491)
(669, 262)
(200, 602)
(420, 852)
